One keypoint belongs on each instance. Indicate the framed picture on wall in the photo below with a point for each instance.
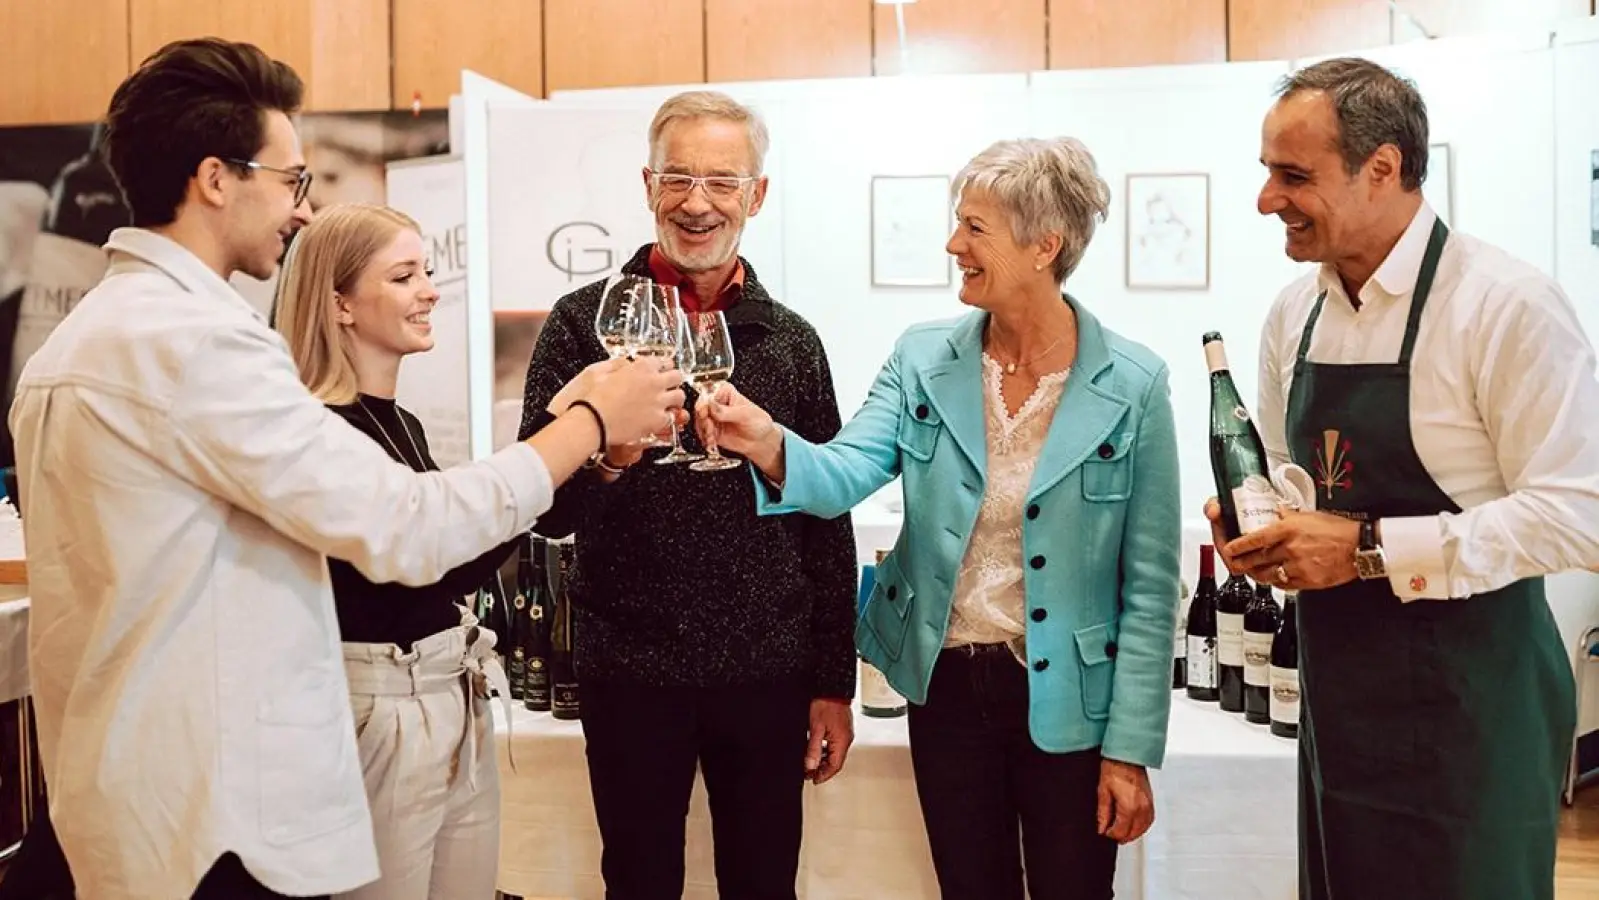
(911, 219)
(1168, 231)
(1439, 188)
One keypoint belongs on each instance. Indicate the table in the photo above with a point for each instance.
(13, 649)
(1224, 828)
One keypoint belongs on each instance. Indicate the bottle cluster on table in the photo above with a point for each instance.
(1241, 649)
(535, 626)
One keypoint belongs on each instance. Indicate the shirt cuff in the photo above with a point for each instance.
(1413, 551)
(524, 470)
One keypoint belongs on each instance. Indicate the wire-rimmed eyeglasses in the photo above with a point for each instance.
(302, 177)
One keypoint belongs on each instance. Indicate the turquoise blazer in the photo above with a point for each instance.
(1101, 536)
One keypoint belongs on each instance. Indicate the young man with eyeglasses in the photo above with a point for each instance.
(707, 638)
(181, 492)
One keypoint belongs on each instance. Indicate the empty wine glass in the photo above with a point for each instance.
(710, 364)
(669, 310)
(623, 309)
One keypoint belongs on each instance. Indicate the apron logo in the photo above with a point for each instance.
(1333, 468)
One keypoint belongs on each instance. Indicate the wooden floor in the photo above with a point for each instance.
(1576, 862)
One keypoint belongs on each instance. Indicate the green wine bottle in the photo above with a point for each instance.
(1237, 456)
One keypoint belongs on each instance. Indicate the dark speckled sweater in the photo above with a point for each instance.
(678, 581)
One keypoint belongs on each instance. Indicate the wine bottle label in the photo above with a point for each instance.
(1257, 658)
(1181, 647)
(1256, 503)
(1230, 639)
(1201, 662)
(1285, 695)
(876, 693)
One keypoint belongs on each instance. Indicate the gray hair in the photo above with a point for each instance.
(711, 105)
(1373, 107)
(1048, 186)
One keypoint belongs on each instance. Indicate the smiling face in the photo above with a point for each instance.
(260, 213)
(1327, 212)
(699, 229)
(387, 312)
(994, 266)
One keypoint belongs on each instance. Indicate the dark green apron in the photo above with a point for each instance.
(1434, 734)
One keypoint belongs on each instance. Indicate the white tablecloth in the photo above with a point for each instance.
(13, 649)
(1224, 828)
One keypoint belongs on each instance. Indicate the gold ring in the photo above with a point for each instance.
(1282, 574)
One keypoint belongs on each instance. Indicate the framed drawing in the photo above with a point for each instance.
(1168, 231)
(1439, 188)
(911, 219)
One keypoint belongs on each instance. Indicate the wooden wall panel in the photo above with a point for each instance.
(1285, 29)
(62, 61)
(1087, 34)
(753, 40)
(339, 47)
(947, 36)
(616, 43)
(433, 42)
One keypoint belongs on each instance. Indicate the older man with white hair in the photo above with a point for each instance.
(707, 638)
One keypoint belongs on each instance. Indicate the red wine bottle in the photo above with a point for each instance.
(1231, 604)
(1260, 628)
(1285, 673)
(1202, 630)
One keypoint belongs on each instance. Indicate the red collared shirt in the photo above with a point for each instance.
(666, 273)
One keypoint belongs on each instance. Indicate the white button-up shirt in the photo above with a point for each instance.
(1504, 409)
(180, 491)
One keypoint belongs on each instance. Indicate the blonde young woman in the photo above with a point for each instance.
(355, 300)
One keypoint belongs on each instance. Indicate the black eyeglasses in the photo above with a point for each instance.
(302, 177)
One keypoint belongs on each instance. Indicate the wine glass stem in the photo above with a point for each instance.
(677, 442)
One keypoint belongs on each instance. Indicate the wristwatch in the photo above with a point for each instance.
(1369, 560)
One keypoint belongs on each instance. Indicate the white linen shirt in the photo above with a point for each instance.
(181, 490)
(1504, 409)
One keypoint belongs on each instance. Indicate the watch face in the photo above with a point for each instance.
(1370, 565)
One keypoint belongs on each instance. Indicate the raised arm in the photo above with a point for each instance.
(797, 475)
(242, 426)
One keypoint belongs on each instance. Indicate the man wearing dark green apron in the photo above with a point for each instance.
(1437, 702)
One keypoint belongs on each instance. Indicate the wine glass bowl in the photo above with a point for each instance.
(708, 363)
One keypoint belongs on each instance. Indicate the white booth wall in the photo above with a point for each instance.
(1518, 113)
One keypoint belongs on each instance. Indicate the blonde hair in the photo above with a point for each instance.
(328, 257)
(710, 105)
(1049, 186)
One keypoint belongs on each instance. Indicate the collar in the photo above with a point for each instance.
(1397, 275)
(1093, 351)
(666, 273)
(129, 245)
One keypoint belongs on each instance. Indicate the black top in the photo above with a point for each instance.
(371, 613)
(677, 581)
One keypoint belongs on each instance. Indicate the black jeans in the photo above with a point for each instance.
(991, 798)
(39, 872)
(644, 744)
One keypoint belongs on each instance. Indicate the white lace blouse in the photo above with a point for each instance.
(990, 604)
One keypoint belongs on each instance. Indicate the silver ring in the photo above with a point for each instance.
(1282, 574)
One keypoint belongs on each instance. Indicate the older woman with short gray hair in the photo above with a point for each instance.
(1028, 607)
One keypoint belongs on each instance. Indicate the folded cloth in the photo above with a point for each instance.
(1295, 488)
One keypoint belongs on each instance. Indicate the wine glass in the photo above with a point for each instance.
(710, 364)
(620, 319)
(669, 311)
